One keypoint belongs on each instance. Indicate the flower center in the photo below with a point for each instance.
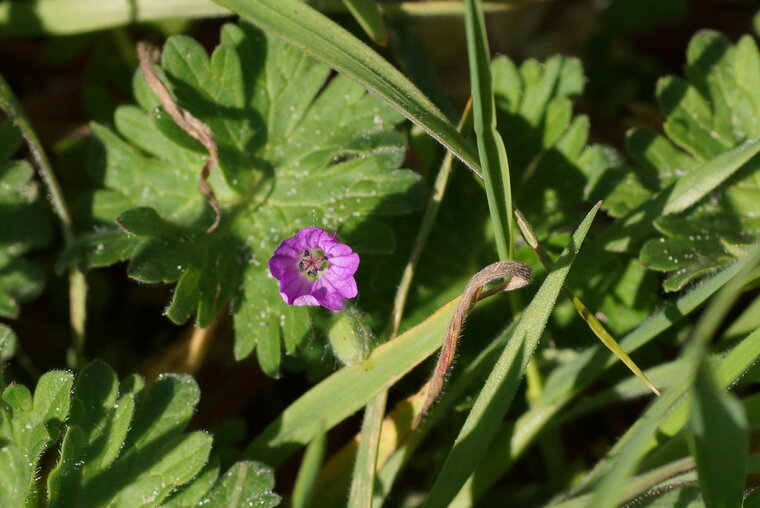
(312, 263)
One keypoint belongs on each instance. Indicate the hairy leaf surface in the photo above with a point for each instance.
(297, 146)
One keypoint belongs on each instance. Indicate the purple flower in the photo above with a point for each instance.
(315, 269)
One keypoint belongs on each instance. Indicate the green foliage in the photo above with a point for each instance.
(719, 441)
(24, 223)
(493, 155)
(714, 111)
(294, 152)
(497, 393)
(8, 343)
(549, 158)
(303, 144)
(122, 446)
(28, 426)
(305, 28)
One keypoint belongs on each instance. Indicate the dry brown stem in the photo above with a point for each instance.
(186, 121)
(519, 275)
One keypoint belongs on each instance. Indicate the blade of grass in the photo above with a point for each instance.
(398, 441)
(728, 371)
(435, 8)
(629, 231)
(347, 390)
(568, 381)
(53, 17)
(367, 14)
(718, 429)
(493, 155)
(695, 185)
(495, 398)
(610, 474)
(363, 481)
(593, 323)
(318, 36)
(663, 479)
(19, 18)
(308, 473)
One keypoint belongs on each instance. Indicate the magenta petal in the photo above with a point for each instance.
(337, 249)
(328, 295)
(280, 265)
(347, 287)
(306, 300)
(293, 287)
(344, 266)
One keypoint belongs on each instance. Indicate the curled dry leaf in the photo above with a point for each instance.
(186, 121)
(519, 275)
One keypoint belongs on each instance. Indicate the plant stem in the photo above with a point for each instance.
(77, 283)
(431, 212)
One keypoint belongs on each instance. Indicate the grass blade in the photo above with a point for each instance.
(718, 440)
(495, 398)
(367, 14)
(53, 17)
(493, 155)
(347, 390)
(593, 323)
(363, 481)
(569, 380)
(313, 33)
(613, 472)
(308, 473)
(698, 183)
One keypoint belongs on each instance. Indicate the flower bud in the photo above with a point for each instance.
(349, 337)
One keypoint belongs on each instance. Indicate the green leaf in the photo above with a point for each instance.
(192, 493)
(128, 449)
(311, 32)
(294, 151)
(494, 400)
(127, 446)
(712, 145)
(25, 225)
(491, 151)
(245, 484)
(696, 184)
(493, 155)
(308, 473)
(554, 174)
(28, 426)
(719, 440)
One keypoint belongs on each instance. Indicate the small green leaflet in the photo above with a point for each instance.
(30, 424)
(713, 115)
(297, 148)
